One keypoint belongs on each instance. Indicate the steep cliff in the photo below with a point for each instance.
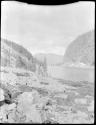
(81, 50)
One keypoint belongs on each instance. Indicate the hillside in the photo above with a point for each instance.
(81, 50)
(49, 100)
(14, 55)
(52, 59)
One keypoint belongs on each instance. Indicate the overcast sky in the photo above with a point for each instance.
(47, 29)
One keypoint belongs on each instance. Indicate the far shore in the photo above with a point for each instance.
(73, 66)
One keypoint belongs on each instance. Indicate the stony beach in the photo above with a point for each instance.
(31, 99)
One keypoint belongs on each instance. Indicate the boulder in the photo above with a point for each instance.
(11, 106)
(28, 108)
(2, 94)
(36, 96)
(5, 111)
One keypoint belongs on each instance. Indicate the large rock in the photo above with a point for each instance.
(11, 106)
(2, 94)
(27, 106)
(5, 112)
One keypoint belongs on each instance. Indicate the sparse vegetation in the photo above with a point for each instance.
(17, 56)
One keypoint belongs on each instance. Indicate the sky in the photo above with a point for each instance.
(46, 29)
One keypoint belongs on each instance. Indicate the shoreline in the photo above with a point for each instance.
(79, 66)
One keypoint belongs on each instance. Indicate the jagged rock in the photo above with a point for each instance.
(8, 97)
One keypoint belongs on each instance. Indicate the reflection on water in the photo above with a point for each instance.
(72, 73)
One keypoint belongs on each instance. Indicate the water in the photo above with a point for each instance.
(72, 73)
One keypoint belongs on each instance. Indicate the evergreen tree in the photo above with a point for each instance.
(45, 66)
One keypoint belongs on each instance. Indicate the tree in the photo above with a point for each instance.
(45, 66)
(20, 63)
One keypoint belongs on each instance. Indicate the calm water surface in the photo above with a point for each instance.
(72, 73)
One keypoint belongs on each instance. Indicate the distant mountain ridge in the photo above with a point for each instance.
(15, 55)
(81, 50)
(52, 59)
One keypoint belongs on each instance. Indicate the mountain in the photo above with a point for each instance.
(14, 55)
(52, 59)
(81, 50)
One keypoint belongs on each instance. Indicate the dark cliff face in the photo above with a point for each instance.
(14, 55)
(81, 49)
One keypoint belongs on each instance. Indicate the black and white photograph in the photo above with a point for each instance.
(47, 64)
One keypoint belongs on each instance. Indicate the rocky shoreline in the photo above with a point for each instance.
(56, 101)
